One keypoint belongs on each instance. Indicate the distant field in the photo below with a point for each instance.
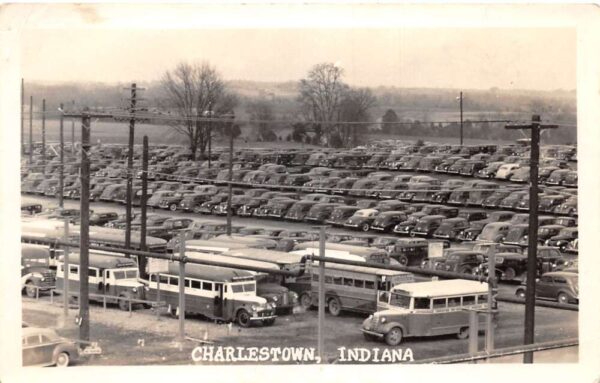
(117, 133)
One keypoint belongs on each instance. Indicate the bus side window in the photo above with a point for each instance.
(93, 272)
(207, 286)
(152, 277)
(454, 302)
(422, 303)
(468, 300)
(369, 285)
(187, 282)
(348, 282)
(174, 281)
(164, 279)
(359, 283)
(315, 277)
(482, 299)
(195, 284)
(439, 303)
(328, 279)
(217, 286)
(383, 286)
(337, 280)
(74, 270)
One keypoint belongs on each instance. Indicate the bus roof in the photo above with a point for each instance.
(210, 273)
(366, 270)
(98, 233)
(248, 241)
(445, 288)
(34, 251)
(278, 257)
(103, 260)
(46, 228)
(213, 245)
(362, 250)
(234, 262)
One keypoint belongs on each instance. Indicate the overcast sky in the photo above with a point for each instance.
(466, 58)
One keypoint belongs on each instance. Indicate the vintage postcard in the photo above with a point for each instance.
(350, 192)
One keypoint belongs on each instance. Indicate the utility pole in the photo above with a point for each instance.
(322, 303)
(535, 128)
(73, 131)
(230, 176)
(66, 272)
(130, 171)
(209, 132)
(84, 232)
(22, 117)
(61, 172)
(461, 118)
(142, 260)
(44, 135)
(30, 129)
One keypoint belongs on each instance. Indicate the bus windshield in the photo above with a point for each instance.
(243, 287)
(400, 300)
(125, 274)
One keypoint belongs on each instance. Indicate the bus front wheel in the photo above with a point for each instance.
(305, 300)
(394, 336)
(334, 307)
(243, 318)
(269, 322)
(123, 303)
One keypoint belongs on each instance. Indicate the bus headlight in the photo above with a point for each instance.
(383, 319)
(294, 296)
(254, 308)
(275, 299)
(134, 289)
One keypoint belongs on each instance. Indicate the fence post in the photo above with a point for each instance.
(66, 271)
(181, 287)
(489, 331)
(104, 302)
(473, 331)
(321, 327)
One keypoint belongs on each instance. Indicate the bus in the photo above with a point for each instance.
(36, 276)
(110, 274)
(368, 254)
(46, 229)
(268, 286)
(353, 288)
(425, 309)
(218, 293)
(296, 263)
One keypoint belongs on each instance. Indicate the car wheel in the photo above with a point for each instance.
(563, 298)
(243, 318)
(62, 359)
(30, 289)
(394, 336)
(463, 333)
(403, 260)
(365, 227)
(173, 207)
(334, 307)
(520, 293)
(305, 300)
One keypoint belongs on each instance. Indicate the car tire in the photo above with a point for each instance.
(62, 359)
(305, 300)
(243, 318)
(173, 207)
(562, 298)
(365, 227)
(403, 260)
(393, 337)
(334, 306)
(30, 289)
(463, 333)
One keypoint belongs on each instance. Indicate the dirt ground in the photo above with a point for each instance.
(147, 339)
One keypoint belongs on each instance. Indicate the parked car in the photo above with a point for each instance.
(450, 228)
(505, 171)
(298, 210)
(427, 225)
(561, 286)
(320, 212)
(461, 261)
(340, 215)
(386, 221)
(44, 347)
(361, 219)
(495, 232)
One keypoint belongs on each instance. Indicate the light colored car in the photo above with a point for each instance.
(44, 347)
(505, 171)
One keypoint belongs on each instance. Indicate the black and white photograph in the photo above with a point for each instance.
(330, 187)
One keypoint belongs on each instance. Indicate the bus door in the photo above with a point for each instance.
(218, 305)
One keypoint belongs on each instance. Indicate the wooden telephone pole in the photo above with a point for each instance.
(535, 128)
(129, 196)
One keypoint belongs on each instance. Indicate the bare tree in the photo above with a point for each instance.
(321, 94)
(355, 108)
(196, 92)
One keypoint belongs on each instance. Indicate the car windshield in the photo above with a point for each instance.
(125, 274)
(489, 232)
(400, 300)
(514, 234)
(243, 287)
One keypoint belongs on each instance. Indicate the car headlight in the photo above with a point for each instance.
(383, 319)
(275, 299)
(254, 308)
(43, 279)
(294, 296)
